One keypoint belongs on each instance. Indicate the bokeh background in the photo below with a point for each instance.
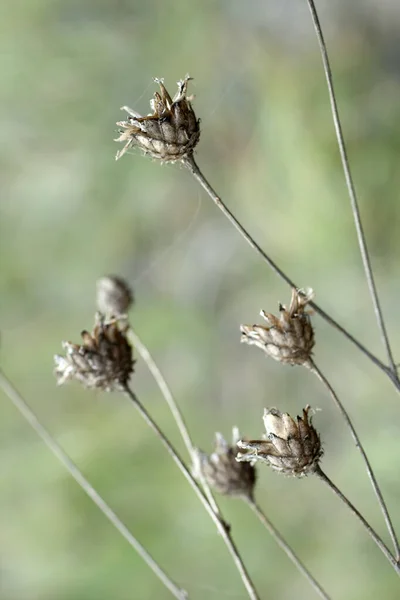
(70, 213)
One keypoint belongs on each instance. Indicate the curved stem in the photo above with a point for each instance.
(314, 369)
(73, 470)
(164, 388)
(190, 163)
(175, 411)
(381, 545)
(285, 546)
(223, 529)
(351, 188)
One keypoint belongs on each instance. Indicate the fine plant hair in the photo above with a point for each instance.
(105, 360)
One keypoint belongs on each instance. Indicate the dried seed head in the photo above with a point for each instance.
(169, 133)
(223, 472)
(289, 338)
(114, 296)
(289, 447)
(104, 360)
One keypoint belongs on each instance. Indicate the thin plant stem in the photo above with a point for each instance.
(74, 471)
(192, 166)
(378, 541)
(314, 369)
(350, 187)
(175, 411)
(164, 388)
(285, 546)
(223, 529)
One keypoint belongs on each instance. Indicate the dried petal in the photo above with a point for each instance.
(170, 133)
(289, 447)
(223, 472)
(104, 360)
(289, 338)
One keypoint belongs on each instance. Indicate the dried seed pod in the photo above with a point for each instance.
(114, 296)
(289, 447)
(223, 472)
(103, 361)
(288, 338)
(169, 133)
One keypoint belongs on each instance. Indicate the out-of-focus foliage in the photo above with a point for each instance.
(70, 213)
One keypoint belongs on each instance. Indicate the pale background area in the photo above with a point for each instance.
(70, 213)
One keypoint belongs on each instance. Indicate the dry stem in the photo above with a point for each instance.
(351, 188)
(314, 369)
(175, 411)
(378, 541)
(221, 526)
(285, 546)
(190, 163)
(73, 470)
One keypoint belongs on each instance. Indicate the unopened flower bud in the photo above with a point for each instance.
(170, 132)
(103, 360)
(223, 472)
(289, 447)
(114, 296)
(288, 338)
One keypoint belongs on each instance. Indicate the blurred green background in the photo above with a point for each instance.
(70, 213)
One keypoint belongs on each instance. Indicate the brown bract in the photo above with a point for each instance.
(288, 338)
(169, 133)
(293, 448)
(103, 360)
(222, 471)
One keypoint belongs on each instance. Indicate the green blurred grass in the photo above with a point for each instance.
(70, 214)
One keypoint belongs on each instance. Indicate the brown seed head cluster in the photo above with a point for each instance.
(170, 132)
(103, 360)
(288, 338)
(289, 447)
(223, 472)
(114, 296)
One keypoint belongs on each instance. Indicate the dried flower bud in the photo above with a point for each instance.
(103, 361)
(223, 472)
(289, 447)
(289, 338)
(114, 296)
(169, 133)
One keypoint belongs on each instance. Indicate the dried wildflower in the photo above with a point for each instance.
(169, 133)
(104, 360)
(223, 472)
(114, 296)
(289, 338)
(289, 447)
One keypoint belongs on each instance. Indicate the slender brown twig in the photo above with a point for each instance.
(190, 163)
(351, 188)
(378, 541)
(175, 411)
(18, 401)
(221, 526)
(285, 546)
(314, 369)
